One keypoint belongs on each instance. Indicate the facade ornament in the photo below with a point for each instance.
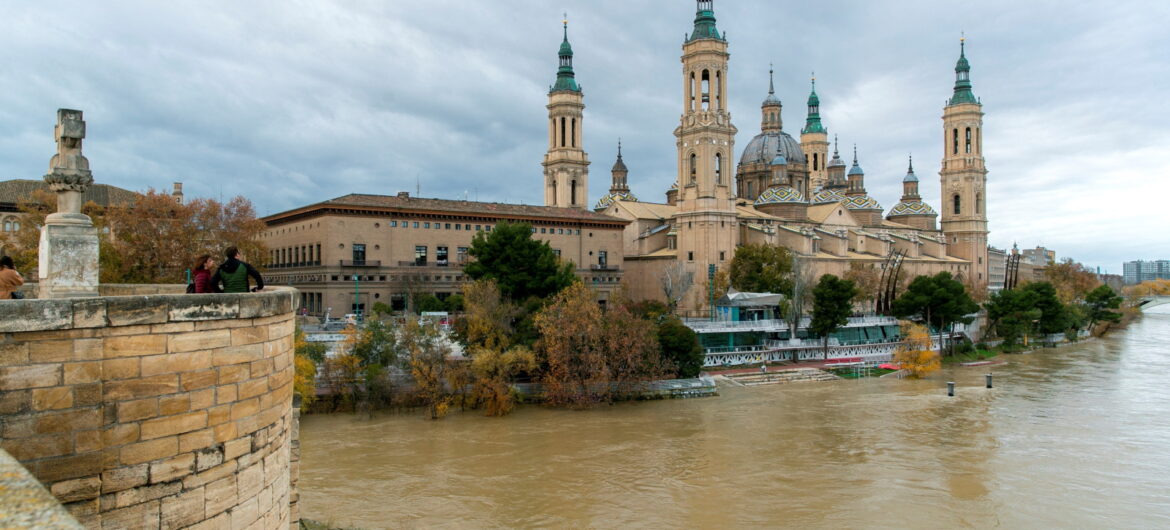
(69, 175)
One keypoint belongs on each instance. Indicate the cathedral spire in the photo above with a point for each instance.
(566, 79)
(705, 22)
(963, 93)
(813, 123)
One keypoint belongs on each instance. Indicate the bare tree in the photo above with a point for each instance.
(802, 287)
(676, 281)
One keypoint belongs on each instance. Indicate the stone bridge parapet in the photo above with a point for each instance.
(157, 410)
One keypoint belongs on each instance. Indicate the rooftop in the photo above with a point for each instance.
(405, 203)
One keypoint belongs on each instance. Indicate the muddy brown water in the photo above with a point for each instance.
(1077, 436)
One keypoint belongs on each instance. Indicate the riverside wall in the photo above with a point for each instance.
(148, 408)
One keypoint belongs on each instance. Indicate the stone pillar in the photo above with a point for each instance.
(69, 242)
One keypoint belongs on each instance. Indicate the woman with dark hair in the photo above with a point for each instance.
(201, 274)
(10, 280)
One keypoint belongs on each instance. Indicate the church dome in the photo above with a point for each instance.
(610, 198)
(779, 195)
(828, 196)
(912, 208)
(765, 146)
(862, 202)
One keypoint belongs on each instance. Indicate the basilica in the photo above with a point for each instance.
(799, 194)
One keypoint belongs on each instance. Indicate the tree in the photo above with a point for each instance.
(522, 267)
(426, 302)
(427, 355)
(867, 278)
(680, 346)
(1053, 316)
(802, 278)
(494, 370)
(762, 269)
(676, 280)
(1100, 302)
(939, 301)
(306, 355)
(1071, 280)
(832, 305)
(375, 343)
(487, 319)
(915, 354)
(1011, 314)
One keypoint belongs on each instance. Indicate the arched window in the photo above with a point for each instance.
(957, 205)
(691, 92)
(815, 159)
(978, 203)
(955, 149)
(573, 192)
(968, 145)
(573, 133)
(562, 131)
(694, 163)
(979, 140)
(554, 191)
(718, 89)
(706, 89)
(7, 225)
(552, 132)
(718, 168)
(750, 189)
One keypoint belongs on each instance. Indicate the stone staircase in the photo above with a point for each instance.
(782, 376)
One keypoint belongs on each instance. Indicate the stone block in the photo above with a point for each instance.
(243, 409)
(77, 489)
(88, 349)
(225, 431)
(171, 425)
(178, 403)
(39, 447)
(13, 353)
(200, 340)
(86, 441)
(201, 379)
(176, 362)
(120, 434)
(137, 409)
(150, 450)
(135, 346)
(143, 494)
(253, 387)
(50, 351)
(145, 515)
(249, 335)
(280, 378)
(142, 387)
(172, 327)
(202, 399)
(29, 376)
(218, 522)
(172, 468)
(208, 458)
(250, 480)
(244, 514)
(182, 510)
(197, 440)
(70, 466)
(114, 369)
(35, 315)
(237, 354)
(234, 373)
(219, 496)
(68, 260)
(89, 313)
(260, 368)
(203, 307)
(83, 372)
(58, 397)
(226, 469)
(123, 331)
(266, 304)
(136, 310)
(15, 402)
(87, 395)
(226, 393)
(71, 420)
(125, 477)
(281, 329)
(219, 414)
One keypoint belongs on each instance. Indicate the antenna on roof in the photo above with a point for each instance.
(417, 186)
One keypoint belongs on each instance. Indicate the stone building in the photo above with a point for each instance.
(346, 254)
(791, 193)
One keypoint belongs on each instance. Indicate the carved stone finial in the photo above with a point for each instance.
(69, 173)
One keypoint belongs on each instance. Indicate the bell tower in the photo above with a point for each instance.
(814, 141)
(964, 175)
(705, 218)
(566, 165)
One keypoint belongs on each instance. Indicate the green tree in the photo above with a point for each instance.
(522, 267)
(1101, 301)
(762, 269)
(376, 343)
(680, 346)
(428, 302)
(1054, 318)
(832, 304)
(454, 303)
(938, 300)
(1011, 314)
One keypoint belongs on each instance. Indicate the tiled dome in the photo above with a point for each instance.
(862, 202)
(779, 195)
(828, 196)
(765, 146)
(912, 208)
(610, 198)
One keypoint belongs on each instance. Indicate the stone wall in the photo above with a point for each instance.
(156, 411)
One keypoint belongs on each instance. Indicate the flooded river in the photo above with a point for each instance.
(1072, 437)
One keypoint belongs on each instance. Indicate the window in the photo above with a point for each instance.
(467, 227)
(557, 252)
(416, 224)
(693, 168)
(573, 191)
(478, 228)
(722, 255)
(573, 133)
(955, 147)
(957, 205)
(448, 226)
(420, 255)
(978, 203)
(690, 256)
(461, 254)
(438, 226)
(562, 132)
(441, 256)
(718, 168)
(487, 228)
(458, 226)
(706, 90)
(426, 225)
(968, 145)
(561, 231)
(816, 157)
(542, 229)
(602, 258)
(393, 223)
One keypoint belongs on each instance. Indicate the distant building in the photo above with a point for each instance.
(996, 269)
(1139, 271)
(1039, 256)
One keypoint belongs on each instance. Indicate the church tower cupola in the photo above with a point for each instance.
(963, 176)
(814, 141)
(911, 211)
(963, 93)
(566, 165)
(813, 123)
(619, 190)
(705, 22)
(771, 110)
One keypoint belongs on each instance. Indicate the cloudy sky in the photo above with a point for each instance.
(295, 101)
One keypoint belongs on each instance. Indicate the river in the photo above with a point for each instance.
(1077, 436)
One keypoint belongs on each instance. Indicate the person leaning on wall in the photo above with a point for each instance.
(232, 276)
(10, 280)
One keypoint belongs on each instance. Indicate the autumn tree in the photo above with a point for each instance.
(832, 304)
(915, 354)
(1071, 280)
(522, 267)
(306, 355)
(427, 356)
(494, 372)
(868, 279)
(761, 269)
(23, 244)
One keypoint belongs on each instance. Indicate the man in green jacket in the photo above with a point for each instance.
(232, 276)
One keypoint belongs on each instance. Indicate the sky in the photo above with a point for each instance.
(293, 102)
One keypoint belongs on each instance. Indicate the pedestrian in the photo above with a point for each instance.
(201, 274)
(232, 276)
(10, 280)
